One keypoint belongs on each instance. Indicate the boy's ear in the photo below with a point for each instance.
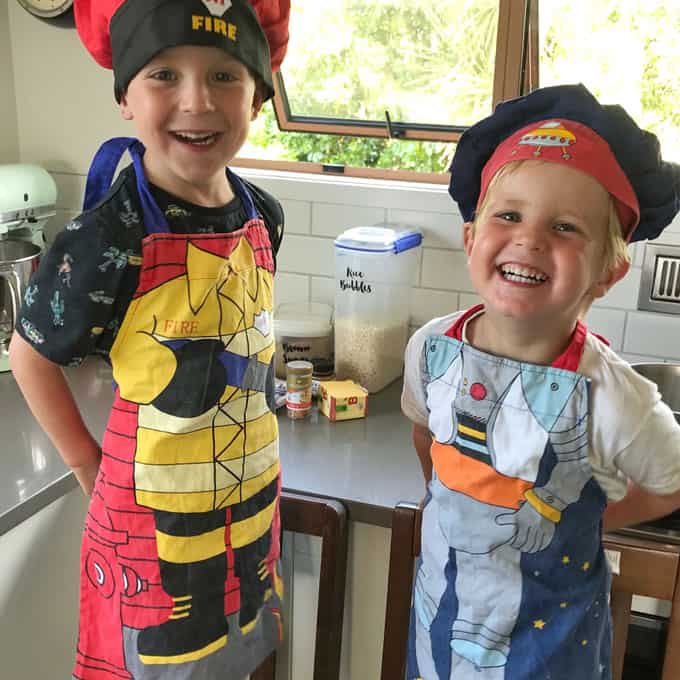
(610, 278)
(468, 236)
(125, 109)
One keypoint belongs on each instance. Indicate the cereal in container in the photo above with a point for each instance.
(375, 268)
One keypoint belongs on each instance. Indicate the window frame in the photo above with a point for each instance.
(515, 70)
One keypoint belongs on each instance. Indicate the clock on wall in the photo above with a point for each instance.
(47, 9)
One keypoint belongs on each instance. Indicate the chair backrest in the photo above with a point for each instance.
(645, 568)
(327, 519)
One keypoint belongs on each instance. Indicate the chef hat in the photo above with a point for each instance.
(566, 124)
(126, 34)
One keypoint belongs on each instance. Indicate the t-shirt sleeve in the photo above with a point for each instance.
(413, 403)
(634, 433)
(652, 460)
(69, 300)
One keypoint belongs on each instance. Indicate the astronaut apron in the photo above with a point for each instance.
(180, 559)
(512, 582)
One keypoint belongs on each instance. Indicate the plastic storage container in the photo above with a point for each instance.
(304, 332)
(375, 269)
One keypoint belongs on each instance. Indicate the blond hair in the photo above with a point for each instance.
(615, 251)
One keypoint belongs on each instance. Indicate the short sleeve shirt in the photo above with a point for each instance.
(78, 296)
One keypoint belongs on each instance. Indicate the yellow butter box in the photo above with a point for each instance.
(342, 400)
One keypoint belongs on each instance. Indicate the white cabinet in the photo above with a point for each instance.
(39, 567)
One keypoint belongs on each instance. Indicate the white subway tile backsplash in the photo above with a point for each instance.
(323, 290)
(637, 251)
(331, 219)
(624, 294)
(290, 288)
(70, 191)
(468, 300)
(445, 269)
(609, 323)
(297, 216)
(653, 335)
(306, 255)
(426, 304)
(440, 230)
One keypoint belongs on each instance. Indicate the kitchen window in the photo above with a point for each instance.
(386, 87)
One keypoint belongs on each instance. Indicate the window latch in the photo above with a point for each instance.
(394, 130)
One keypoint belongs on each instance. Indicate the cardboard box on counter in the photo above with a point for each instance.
(342, 400)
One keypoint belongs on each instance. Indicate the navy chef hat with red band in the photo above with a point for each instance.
(623, 157)
(124, 35)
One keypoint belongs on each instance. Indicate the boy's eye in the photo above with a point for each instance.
(509, 216)
(224, 77)
(165, 74)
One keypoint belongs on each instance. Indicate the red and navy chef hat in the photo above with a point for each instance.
(124, 35)
(566, 124)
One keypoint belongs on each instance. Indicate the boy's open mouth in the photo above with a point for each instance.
(521, 274)
(196, 138)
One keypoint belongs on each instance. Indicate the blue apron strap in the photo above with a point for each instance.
(242, 192)
(100, 176)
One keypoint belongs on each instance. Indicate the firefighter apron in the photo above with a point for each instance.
(179, 566)
(512, 582)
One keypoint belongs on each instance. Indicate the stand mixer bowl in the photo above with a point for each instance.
(18, 260)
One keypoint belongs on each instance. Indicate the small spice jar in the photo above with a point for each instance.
(298, 388)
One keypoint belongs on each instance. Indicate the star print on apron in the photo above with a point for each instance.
(180, 558)
(512, 582)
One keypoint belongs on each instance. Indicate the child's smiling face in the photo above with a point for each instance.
(192, 107)
(535, 253)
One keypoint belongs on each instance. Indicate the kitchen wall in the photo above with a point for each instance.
(65, 109)
(9, 144)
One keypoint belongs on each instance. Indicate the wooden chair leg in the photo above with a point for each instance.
(404, 546)
(327, 519)
(267, 670)
(620, 604)
(671, 661)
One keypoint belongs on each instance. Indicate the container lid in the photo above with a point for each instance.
(303, 319)
(379, 239)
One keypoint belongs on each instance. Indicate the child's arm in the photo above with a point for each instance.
(422, 440)
(50, 399)
(638, 506)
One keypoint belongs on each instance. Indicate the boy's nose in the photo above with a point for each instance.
(531, 236)
(196, 97)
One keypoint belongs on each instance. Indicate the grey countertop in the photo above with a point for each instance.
(368, 464)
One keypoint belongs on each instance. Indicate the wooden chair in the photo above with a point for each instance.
(646, 568)
(327, 519)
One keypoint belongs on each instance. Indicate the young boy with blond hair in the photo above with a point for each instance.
(168, 274)
(531, 431)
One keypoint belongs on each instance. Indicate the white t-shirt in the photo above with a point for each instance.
(633, 434)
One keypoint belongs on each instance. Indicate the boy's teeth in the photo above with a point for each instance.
(522, 274)
(195, 138)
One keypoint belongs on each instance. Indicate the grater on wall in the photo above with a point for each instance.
(660, 281)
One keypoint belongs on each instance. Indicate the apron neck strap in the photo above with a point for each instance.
(101, 173)
(104, 166)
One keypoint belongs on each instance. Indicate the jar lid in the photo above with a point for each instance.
(299, 367)
(303, 319)
(379, 239)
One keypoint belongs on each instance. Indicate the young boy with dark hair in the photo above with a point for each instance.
(169, 274)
